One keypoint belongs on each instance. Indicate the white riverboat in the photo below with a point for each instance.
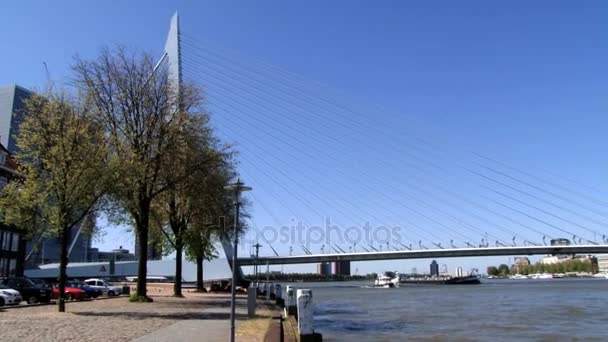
(386, 280)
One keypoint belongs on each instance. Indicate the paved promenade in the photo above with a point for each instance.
(200, 317)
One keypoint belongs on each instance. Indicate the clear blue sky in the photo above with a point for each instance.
(523, 82)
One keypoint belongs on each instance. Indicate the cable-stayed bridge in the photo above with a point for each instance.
(312, 154)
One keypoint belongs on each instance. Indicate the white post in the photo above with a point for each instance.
(251, 301)
(278, 291)
(291, 300)
(305, 313)
(278, 295)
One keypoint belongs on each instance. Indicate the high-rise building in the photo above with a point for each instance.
(12, 111)
(342, 268)
(434, 269)
(324, 268)
(519, 264)
(12, 243)
(602, 263)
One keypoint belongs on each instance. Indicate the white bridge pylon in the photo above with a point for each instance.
(172, 59)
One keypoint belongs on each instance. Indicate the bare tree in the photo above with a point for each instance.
(142, 113)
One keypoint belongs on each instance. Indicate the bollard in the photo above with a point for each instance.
(263, 289)
(305, 316)
(291, 301)
(278, 293)
(251, 301)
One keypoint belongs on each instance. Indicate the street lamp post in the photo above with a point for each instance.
(237, 187)
(255, 267)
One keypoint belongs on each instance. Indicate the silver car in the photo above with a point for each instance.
(105, 287)
(9, 296)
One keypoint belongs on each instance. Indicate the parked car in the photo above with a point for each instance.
(9, 296)
(30, 292)
(69, 293)
(104, 286)
(88, 290)
(41, 283)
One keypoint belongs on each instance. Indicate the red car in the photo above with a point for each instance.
(70, 293)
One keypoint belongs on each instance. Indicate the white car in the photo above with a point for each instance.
(9, 296)
(104, 286)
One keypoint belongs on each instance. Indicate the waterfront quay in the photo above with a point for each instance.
(168, 318)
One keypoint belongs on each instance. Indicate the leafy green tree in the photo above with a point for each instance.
(215, 221)
(493, 271)
(200, 248)
(62, 156)
(197, 158)
(503, 270)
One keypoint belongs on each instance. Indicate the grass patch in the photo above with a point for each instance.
(134, 298)
(253, 328)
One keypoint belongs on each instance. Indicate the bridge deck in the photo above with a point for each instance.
(426, 254)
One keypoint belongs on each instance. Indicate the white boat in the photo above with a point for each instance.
(518, 276)
(541, 276)
(386, 280)
(601, 275)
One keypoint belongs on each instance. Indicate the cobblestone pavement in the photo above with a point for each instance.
(110, 319)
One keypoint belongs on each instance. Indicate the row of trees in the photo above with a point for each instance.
(130, 143)
(574, 265)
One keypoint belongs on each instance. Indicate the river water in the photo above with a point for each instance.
(496, 310)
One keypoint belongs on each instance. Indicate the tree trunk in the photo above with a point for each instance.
(63, 264)
(177, 287)
(199, 274)
(142, 235)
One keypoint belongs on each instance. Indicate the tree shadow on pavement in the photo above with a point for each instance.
(192, 303)
(172, 316)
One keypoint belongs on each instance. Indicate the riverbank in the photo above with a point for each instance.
(166, 319)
